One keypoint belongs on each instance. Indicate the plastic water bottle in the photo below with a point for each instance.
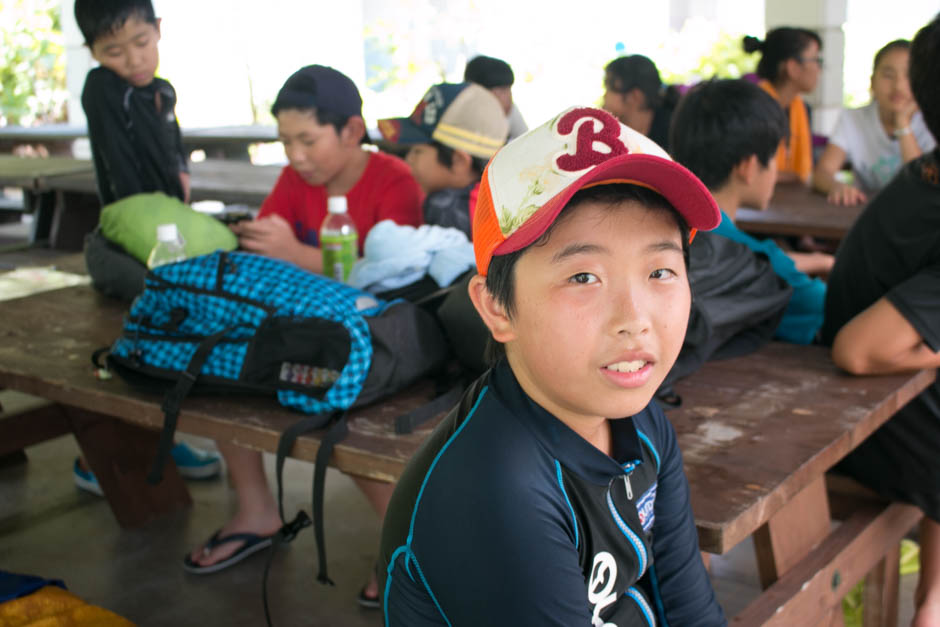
(339, 240)
(169, 247)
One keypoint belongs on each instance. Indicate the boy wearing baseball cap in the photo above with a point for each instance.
(554, 493)
(451, 134)
(319, 121)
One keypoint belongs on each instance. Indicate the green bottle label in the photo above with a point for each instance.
(339, 254)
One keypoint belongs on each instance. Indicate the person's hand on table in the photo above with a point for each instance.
(813, 264)
(903, 116)
(270, 236)
(846, 195)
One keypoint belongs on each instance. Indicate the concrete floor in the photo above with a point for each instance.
(50, 528)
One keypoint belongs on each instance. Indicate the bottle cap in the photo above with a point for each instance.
(167, 232)
(336, 204)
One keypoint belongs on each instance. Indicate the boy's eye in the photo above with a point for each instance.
(662, 273)
(583, 278)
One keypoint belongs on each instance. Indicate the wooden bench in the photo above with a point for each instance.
(797, 210)
(758, 434)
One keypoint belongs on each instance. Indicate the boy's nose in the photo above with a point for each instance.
(630, 314)
(295, 154)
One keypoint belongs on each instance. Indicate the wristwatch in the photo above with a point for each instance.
(901, 132)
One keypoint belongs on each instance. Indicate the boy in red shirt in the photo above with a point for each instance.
(319, 120)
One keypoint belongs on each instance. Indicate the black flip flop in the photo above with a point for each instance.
(369, 603)
(252, 544)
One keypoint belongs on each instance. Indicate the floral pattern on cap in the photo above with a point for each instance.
(573, 142)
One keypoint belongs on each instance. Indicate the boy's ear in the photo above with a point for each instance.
(353, 131)
(792, 67)
(746, 169)
(636, 99)
(492, 313)
(157, 26)
(462, 162)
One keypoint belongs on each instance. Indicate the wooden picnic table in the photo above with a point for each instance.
(232, 182)
(35, 172)
(62, 192)
(797, 210)
(217, 141)
(758, 434)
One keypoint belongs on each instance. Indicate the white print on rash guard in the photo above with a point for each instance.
(603, 573)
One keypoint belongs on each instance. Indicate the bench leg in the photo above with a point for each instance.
(792, 532)
(120, 455)
(810, 593)
(76, 214)
(31, 426)
(880, 597)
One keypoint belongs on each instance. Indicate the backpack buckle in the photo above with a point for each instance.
(290, 530)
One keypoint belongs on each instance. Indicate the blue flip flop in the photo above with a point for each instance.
(252, 544)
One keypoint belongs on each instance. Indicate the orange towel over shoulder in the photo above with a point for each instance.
(796, 155)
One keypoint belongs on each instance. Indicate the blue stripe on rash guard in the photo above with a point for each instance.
(632, 537)
(428, 588)
(634, 594)
(414, 513)
(409, 554)
(388, 582)
(649, 443)
(657, 596)
(574, 520)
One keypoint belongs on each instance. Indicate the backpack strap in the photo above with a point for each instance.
(337, 431)
(406, 423)
(174, 399)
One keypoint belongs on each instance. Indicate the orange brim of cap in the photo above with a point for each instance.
(679, 186)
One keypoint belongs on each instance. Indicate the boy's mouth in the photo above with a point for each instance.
(627, 366)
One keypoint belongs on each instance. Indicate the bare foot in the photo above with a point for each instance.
(263, 524)
(372, 588)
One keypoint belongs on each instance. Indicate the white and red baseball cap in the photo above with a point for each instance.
(530, 180)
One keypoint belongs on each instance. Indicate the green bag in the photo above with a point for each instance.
(132, 224)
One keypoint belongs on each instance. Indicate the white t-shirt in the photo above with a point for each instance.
(875, 156)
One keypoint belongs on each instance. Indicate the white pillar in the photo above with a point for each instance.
(826, 17)
(77, 62)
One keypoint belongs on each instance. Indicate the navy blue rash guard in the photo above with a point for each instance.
(506, 516)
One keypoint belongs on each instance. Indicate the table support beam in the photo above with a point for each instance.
(120, 455)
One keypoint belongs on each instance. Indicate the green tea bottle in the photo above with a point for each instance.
(339, 240)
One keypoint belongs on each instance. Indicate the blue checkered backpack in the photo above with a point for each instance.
(238, 321)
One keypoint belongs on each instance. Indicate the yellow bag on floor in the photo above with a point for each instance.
(52, 606)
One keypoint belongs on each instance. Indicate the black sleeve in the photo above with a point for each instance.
(116, 162)
(180, 149)
(681, 589)
(918, 300)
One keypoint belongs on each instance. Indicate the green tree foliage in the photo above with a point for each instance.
(726, 59)
(32, 62)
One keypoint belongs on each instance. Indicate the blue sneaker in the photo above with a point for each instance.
(194, 463)
(86, 480)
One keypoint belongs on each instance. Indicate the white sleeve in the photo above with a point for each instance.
(842, 134)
